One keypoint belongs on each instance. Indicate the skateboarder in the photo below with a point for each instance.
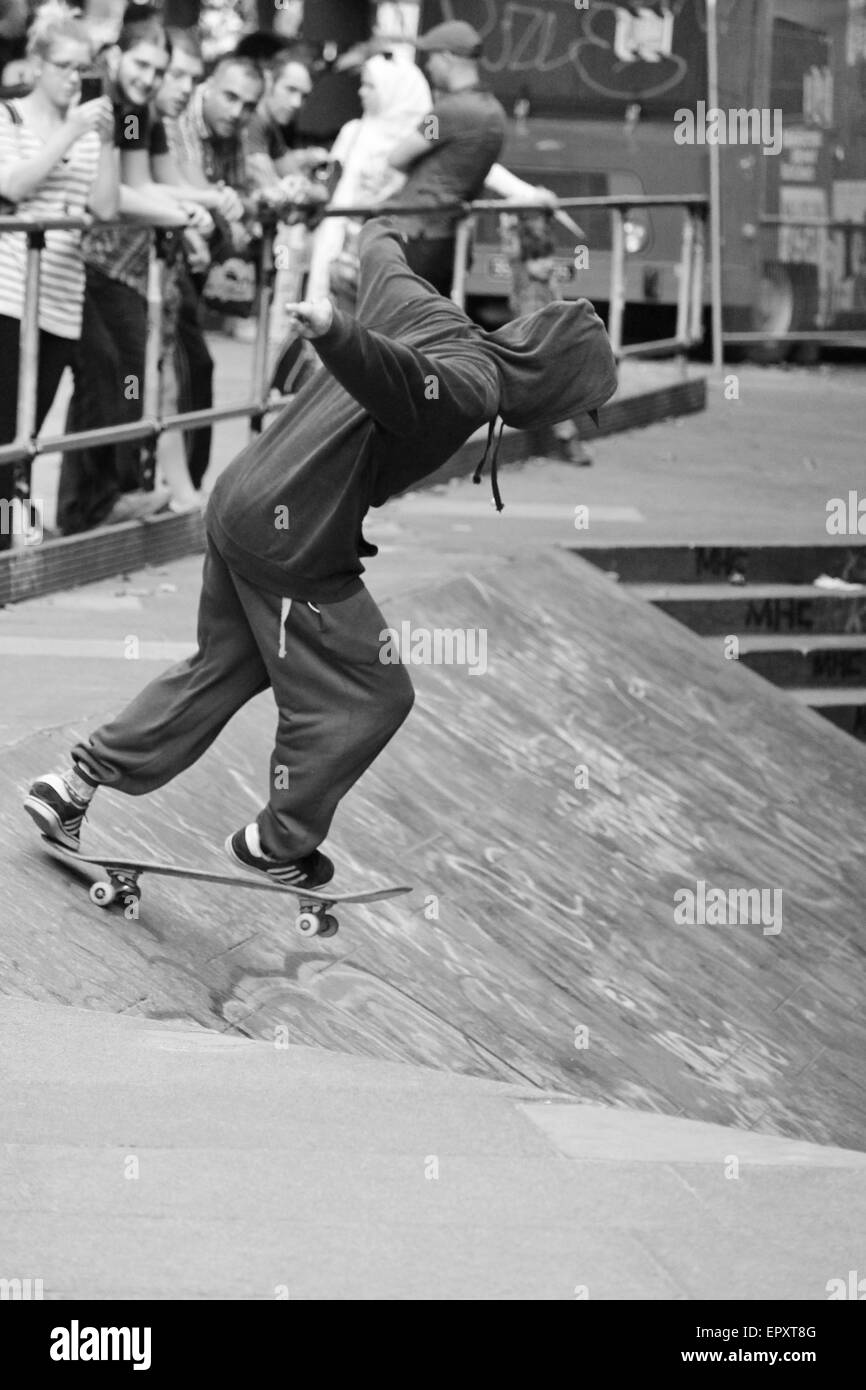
(282, 602)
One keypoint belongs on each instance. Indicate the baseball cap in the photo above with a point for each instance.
(454, 36)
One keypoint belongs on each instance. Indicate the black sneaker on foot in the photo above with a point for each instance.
(310, 871)
(56, 811)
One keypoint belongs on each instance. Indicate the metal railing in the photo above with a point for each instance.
(261, 401)
(689, 322)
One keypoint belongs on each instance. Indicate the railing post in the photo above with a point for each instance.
(616, 307)
(153, 342)
(461, 257)
(685, 286)
(715, 189)
(696, 322)
(150, 393)
(28, 365)
(264, 299)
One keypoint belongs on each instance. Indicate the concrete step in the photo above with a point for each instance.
(846, 708)
(769, 609)
(702, 564)
(836, 660)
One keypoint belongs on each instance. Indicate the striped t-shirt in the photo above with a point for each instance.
(65, 191)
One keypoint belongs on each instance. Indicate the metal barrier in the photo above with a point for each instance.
(261, 402)
(150, 426)
(689, 325)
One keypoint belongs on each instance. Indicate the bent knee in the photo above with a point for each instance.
(404, 695)
(395, 698)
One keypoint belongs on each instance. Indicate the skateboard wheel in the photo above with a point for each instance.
(308, 924)
(330, 926)
(102, 894)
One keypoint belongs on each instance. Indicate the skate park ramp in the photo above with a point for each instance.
(548, 806)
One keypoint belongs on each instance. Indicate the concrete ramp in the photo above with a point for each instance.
(552, 810)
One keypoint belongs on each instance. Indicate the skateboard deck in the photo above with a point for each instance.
(122, 874)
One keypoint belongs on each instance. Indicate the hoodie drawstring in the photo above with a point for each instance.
(285, 608)
(494, 463)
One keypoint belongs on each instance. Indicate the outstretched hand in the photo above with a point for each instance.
(311, 317)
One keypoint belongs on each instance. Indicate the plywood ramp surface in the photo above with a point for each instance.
(548, 807)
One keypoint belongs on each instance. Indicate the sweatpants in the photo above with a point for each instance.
(337, 704)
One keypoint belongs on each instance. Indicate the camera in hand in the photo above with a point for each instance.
(92, 87)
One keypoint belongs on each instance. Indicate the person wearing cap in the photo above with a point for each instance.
(448, 157)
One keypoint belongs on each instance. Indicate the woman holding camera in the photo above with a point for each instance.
(56, 159)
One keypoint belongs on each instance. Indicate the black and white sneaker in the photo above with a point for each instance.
(311, 871)
(56, 811)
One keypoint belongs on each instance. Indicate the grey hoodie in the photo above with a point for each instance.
(408, 380)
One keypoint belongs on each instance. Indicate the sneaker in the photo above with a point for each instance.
(56, 811)
(311, 871)
(182, 506)
(135, 506)
(571, 450)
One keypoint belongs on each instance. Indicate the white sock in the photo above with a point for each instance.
(79, 788)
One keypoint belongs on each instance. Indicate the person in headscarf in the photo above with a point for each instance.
(395, 96)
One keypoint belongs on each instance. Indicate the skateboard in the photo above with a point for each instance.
(122, 874)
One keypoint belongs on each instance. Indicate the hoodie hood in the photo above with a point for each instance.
(552, 364)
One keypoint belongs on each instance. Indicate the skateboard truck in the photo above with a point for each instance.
(121, 886)
(121, 875)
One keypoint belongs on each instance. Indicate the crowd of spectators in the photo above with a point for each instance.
(138, 134)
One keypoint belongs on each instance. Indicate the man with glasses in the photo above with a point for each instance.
(56, 159)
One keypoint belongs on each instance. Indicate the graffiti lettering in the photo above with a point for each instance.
(716, 560)
(612, 39)
(780, 615)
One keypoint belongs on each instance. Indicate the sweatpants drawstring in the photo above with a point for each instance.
(285, 609)
(491, 452)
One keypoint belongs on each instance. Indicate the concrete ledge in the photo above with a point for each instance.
(62, 564)
(843, 557)
(625, 412)
(54, 565)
